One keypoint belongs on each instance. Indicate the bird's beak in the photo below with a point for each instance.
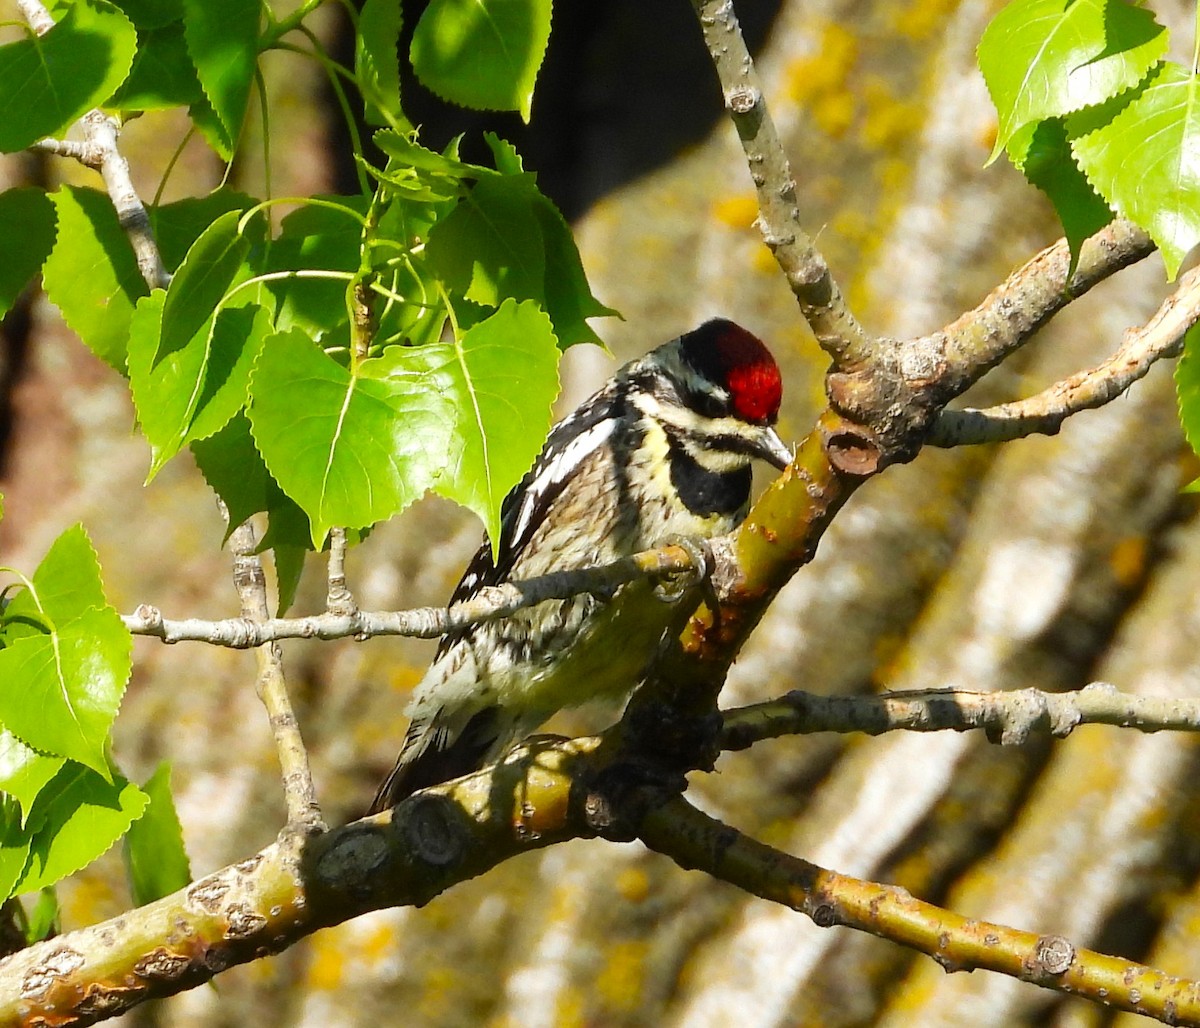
(772, 449)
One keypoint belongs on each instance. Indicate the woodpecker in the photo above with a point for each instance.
(663, 450)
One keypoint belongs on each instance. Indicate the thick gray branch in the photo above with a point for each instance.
(1007, 717)
(960, 354)
(1162, 336)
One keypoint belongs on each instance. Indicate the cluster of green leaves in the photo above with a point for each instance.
(65, 659)
(325, 370)
(145, 55)
(372, 347)
(1094, 115)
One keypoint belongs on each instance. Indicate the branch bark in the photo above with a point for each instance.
(300, 794)
(1141, 348)
(804, 267)
(1009, 718)
(695, 840)
(99, 150)
(662, 565)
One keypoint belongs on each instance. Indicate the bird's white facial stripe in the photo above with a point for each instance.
(691, 429)
(558, 466)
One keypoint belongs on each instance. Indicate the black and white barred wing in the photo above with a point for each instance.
(572, 441)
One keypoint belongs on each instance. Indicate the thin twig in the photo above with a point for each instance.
(102, 131)
(421, 622)
(35, 12)
(339, 601)
(808, 274)
(303, 811)
(1007, 717)
(99, 150)
(1162, 336)
(696, 841)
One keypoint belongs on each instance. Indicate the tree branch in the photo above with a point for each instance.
(303, 811)
(804, 267)
(422, 622)
(1162, 336)
(339, 601)
(958, 355)
(261, 905)
(696, 841)
(543, 793)
(1007, 717)
(99, 150)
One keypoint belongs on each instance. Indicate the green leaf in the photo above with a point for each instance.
(1187, 389)
(194, 391)
(24, 772)
(567, 297)
(421, 174)
(222, 37)
(155, 858)
(1146, 161)
(16, 836)
(349, 449)
(1042, 152)
(68, 578)
(502, 378)
(508, 160)
(79, 816)
(178, 225)
(1046, 58)
(202, 281)
(162, 75)
(72, 673)
(289, 567)
(48, 81)
(483, 55)
(91, 274)
(490, 247)
(44, 916)
(27, 227)
(72, 679)
(321, 238)
(377, 64)
(235, 471)
(152, 14)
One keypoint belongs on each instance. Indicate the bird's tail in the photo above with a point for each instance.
(440, 747)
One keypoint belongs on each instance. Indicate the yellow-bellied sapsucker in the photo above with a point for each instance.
(662, 450)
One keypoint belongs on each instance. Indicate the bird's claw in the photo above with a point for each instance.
(673, 587)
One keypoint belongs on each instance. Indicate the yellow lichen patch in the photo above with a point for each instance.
(379, 943)
(404, 677)
(892, 175)
(764, 260)
(889, 122)
(736, 211)
(327, 960)
(633, 884)
(622, 979)
(1128, 561)
(819, 81)
(854, 225)
(569, 1009)
(440, 987)
(922, 18)
(889, 654)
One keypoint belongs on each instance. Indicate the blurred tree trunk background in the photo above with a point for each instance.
(1046, 563)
